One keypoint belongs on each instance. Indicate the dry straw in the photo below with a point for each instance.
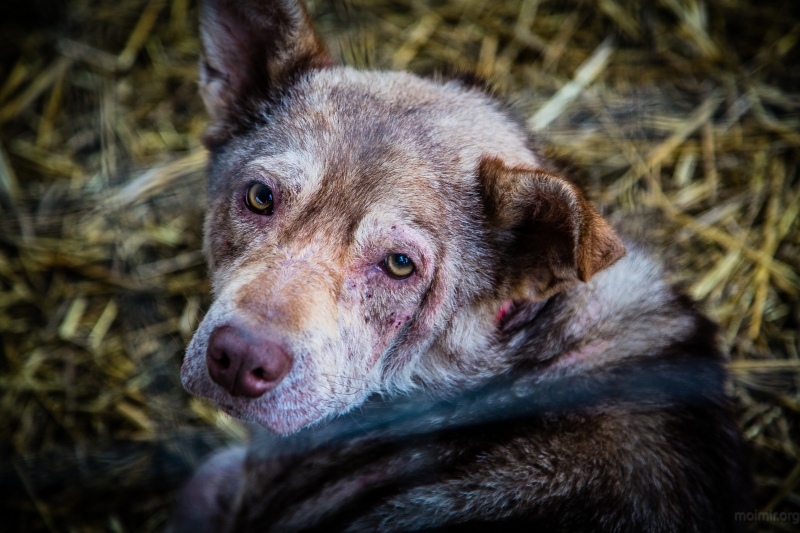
(684, 114)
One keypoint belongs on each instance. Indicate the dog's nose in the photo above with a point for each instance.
(245, 363)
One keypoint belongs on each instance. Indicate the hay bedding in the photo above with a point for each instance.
(684, 114)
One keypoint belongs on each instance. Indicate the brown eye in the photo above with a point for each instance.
(398, 266)
(259, 199)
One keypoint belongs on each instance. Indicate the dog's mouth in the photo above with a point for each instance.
(279, 414)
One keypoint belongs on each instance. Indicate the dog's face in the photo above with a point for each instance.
(366, 231)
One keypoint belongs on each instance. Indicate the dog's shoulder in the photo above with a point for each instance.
(655, 470)
(650, 471)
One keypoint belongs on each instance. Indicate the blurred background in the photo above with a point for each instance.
(684, 115)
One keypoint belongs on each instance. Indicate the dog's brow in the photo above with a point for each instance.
(294, 169)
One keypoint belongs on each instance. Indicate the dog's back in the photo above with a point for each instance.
(381, 238)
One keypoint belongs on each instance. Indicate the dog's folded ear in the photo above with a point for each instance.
(551, 236)
(251, 50)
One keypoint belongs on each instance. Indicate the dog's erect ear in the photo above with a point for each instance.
(551, 235)
(251, 50)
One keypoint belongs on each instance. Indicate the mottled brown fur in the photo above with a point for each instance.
(527, 375)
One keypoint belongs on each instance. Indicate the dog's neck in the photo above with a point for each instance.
(625, 311)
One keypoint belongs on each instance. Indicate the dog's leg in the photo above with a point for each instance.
(206, 503)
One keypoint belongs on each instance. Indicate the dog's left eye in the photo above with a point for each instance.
(259, 199)
(398, 266)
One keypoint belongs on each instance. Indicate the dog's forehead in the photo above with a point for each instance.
(341, 125)
(373, 114)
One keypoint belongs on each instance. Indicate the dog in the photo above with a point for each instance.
(435, 328)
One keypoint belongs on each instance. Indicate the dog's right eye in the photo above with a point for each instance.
(259, 199)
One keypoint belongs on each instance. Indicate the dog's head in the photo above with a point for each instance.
(367, 231)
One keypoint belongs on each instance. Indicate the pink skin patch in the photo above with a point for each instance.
(507, 306)
(580, 358)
